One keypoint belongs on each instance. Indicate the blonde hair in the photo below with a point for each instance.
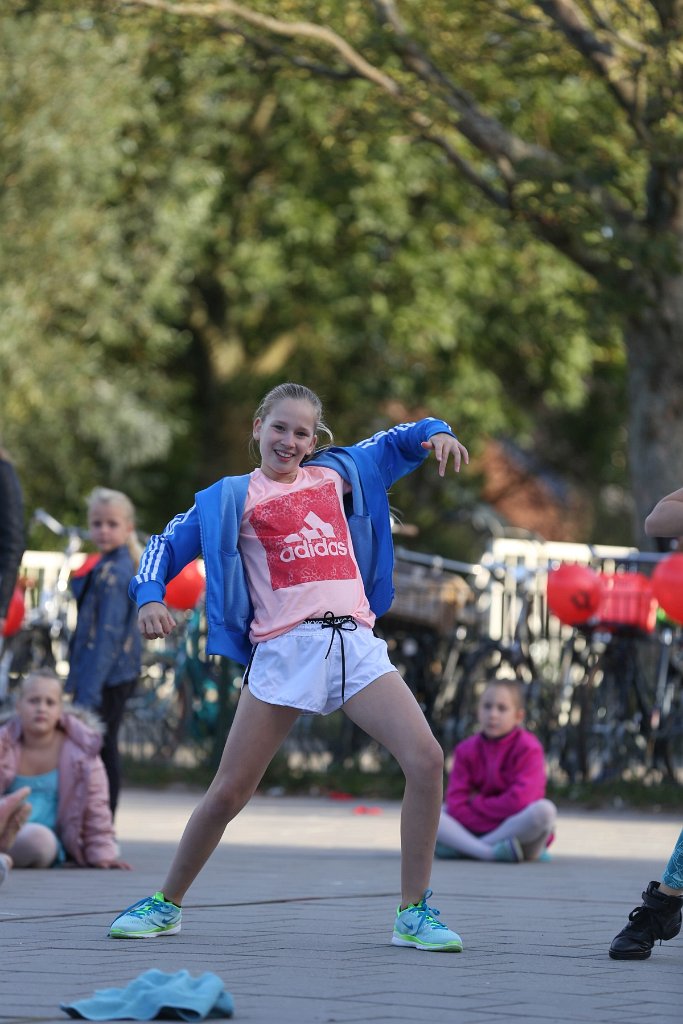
(107, 496)
(299, 393)
(40, 673)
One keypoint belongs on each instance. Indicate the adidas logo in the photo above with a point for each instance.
(316, 537)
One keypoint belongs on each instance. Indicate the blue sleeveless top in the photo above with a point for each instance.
(44, 798)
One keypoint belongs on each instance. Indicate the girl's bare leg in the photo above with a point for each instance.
(35, 846)
(532, 826)
(455, 835)
(255, 736)
(388, 712)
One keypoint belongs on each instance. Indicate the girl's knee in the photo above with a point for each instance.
(544, 813)
(35, 847)
(426, 762)
(226, 797)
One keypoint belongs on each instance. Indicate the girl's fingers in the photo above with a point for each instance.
(443, 446)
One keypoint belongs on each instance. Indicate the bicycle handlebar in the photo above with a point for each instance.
(498, 570)
(45, 519)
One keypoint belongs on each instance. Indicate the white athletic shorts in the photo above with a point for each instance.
(303, 669)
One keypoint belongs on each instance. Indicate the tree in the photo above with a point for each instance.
(565, 116)
(77, 298)
(184, 224)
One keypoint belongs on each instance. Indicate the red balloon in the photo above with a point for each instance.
(667, 585)
(574, 593)
(184, 590)
(628, 600)
(15, 613)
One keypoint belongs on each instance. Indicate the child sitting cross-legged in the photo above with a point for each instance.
(55, 752)
(495, 806)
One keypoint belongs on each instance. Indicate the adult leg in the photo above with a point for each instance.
(658, 917)
(255, 736)
(5, 866)
(14, 812)
(388, 712)
(531, 826)
(672, 879)
(111, 712)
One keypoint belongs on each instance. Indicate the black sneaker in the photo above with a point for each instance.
(659, 917)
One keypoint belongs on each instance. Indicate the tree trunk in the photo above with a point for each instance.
(654, 342)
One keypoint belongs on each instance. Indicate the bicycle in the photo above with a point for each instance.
(433, 606)
(43, 639)
(617, 687)
(184, 699)
(519, 653)
(665, 739)
(429, 599)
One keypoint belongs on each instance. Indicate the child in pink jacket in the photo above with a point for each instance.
(495, 807)
(56, 754)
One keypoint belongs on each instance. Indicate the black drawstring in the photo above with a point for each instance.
(337, 623)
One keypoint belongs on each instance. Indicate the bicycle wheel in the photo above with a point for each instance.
(564, 749)
(416, 653)
(614, 715)
(455, 650)
(475, 670)
(154, 724)
(30, 648)
(667, 741)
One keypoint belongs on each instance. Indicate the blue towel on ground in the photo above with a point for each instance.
(158, 995)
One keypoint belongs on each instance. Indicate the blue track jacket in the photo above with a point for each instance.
(211, 528)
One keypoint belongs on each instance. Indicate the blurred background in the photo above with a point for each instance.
(466, 209)
(476, 217)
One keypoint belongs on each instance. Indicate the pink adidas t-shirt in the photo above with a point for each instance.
(297, 552)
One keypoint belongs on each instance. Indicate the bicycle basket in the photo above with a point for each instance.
(428, 599)
(627, 602)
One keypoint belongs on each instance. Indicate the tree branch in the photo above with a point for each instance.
(600, 55)
(293, 29)
(515, 160)
(484, 132)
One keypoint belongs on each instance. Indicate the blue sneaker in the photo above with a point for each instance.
(147, 918)
(509, 851)
(417, 926)
(442, 851)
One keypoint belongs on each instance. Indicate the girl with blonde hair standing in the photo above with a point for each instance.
(106, 646)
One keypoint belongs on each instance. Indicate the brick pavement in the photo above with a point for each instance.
(294, 912)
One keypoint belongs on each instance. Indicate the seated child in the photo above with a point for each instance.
(56, 753)
(495, 807)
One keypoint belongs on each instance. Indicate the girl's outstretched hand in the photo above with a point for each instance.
(445, 445)
(155, 620)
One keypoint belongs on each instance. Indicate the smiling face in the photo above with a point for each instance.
(285, 436)
(40, 705)
(499, 711)
(109, 525)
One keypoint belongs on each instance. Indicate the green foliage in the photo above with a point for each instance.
(77, 305)
(189, 223)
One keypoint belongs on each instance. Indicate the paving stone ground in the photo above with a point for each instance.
(294, 912)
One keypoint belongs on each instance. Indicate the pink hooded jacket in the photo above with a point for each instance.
(84, 821)
(493, 779)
